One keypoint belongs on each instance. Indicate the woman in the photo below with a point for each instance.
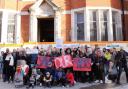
(99, 67)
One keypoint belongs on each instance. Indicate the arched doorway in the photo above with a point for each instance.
(44, 22)
(45, 29)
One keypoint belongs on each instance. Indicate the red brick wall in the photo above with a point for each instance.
(126, 27)
(66, 27)
(25, 28)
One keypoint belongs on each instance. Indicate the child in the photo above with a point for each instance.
(32, 80)
(48, 79)
(70, 78)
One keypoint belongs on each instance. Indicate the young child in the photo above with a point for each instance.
(70, 78)
(32, 80)
(48, 79)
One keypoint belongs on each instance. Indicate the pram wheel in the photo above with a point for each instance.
(27, 87)
(16, 86)
(32, 87)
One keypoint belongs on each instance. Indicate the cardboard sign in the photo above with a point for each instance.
(63, 61)
(82, 64)
(42, 61)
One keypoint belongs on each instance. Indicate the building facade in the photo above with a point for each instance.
(70, 20)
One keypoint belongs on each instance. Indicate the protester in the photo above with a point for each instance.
(70, 78)
(8, 68)
(47, 79)
(121, 64)
(99, 67)
(103, 64)
(60, 77)
(107, 57)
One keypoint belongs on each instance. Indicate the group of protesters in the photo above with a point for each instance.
(106, 64)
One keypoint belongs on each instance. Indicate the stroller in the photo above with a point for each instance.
(33, 79)
(31, 82)
(18, 80)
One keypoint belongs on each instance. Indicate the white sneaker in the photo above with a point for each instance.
(101, 81)
(108, 81)
(97, 81)
(40, 84)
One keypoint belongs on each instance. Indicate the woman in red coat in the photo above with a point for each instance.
(70, 78)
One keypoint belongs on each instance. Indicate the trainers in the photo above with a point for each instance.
(97, 81)
(108, 81)
(40, 84)
(118, 83)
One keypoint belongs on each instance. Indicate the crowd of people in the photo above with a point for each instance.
(106, 65)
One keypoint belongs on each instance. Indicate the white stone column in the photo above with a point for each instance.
(99, 25)
(4, 27)
(110, 26)
(87, 25)
(73, 26)
(57, 26)
(33, 28)
(18, 28)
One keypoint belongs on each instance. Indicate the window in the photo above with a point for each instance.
(11, 29)
(99, 25)
(104, 25)
(93, 25)
(117, 29)
(80, 26)
(0, 24)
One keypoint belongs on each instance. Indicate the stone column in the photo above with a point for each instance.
(4, 27)
(87, 25)
(33, 28)
(57, 26)
(110, 26)
(18, 28)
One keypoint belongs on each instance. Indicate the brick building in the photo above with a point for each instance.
(70, 20)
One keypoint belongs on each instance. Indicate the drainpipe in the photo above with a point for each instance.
(123, 19)
(16, 5)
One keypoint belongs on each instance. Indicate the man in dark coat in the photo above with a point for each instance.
(121, 63)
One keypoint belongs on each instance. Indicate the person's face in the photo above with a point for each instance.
(14, 50)
(106, 51)
(7, 50)
(47, 75)
(68, 50)
(50, 65)
(114, 50)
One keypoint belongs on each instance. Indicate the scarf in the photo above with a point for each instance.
(10, 58)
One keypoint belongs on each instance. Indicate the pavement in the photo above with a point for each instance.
(123, 85)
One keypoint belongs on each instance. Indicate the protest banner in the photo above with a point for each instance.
(63, 61)
(42, 61)
(82, 64)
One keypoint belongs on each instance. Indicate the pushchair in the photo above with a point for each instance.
(31, 82)
(18, 80)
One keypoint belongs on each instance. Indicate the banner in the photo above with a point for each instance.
(82, 64)
(63, 61)
(42, 61)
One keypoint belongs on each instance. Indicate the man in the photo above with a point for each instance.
(121, 64)
(8, 64)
